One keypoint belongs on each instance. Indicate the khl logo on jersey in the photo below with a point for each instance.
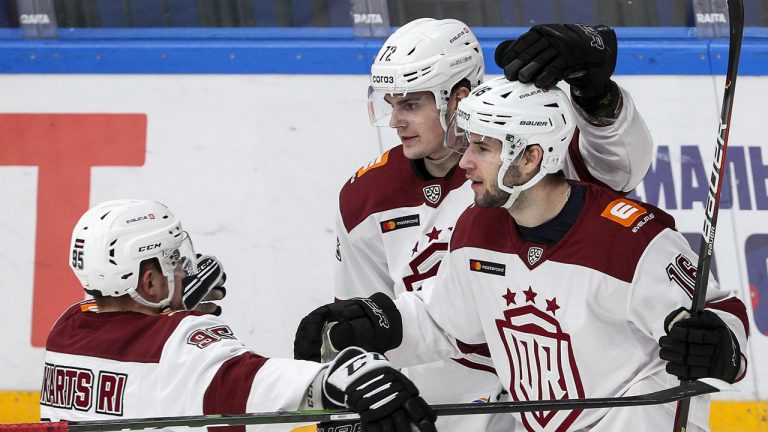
(534, 253)
(432, 193)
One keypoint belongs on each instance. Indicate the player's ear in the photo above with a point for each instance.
(149, 281)
(531, 159)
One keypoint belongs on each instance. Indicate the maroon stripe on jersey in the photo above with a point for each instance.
(92, 334)
(593, 241)
(476, 366)
(229, 389)
(480, 349)
(733, 306)
(392, 185)
(578, 162)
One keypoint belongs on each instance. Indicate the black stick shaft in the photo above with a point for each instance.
(736, 19)
(673, 394)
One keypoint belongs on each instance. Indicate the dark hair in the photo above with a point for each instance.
(147, 263)
(464, 82)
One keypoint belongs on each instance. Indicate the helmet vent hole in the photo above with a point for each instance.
(112, 253)
(411, 51)
(126, 276)
(111, 261)
(501, 123)
(409, 74)
(550, 149)
(506, 95)
(85, 228)
(563, 116)
(113, 242)
(104, 215)
(165, 216)
(552, 105)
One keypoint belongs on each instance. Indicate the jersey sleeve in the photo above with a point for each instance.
(361, 268)
(436, 318)
(617, 155)
(663, 282)
(205, 369)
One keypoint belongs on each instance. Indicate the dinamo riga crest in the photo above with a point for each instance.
(541, 364)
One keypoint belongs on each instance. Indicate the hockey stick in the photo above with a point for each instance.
(736, 19)
(685, 390)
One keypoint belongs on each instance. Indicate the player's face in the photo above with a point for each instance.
(417, 120)
(482, 161)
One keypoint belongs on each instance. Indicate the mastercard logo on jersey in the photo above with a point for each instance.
(401, 222)
(487, 267)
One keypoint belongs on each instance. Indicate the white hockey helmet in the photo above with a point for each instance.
(111, 240)
(519, 115)
(424, 55)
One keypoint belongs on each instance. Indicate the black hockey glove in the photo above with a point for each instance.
(385, 399)
(699, 347)
(205, 286)
(373, 324)
(584, 56)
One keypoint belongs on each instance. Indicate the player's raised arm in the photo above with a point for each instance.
(614, 146)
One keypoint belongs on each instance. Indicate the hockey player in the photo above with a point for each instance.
(569, 284)
(397, 214)
(125, 354)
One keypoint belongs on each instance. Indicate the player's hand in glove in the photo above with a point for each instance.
(584, 56)
(205, 286)
(385, 399)
(373, 324)
(701, 346)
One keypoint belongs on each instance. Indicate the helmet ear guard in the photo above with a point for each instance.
(519, 115)
(424, 55)
(110, 241)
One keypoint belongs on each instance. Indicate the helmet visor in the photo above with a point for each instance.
(180, 260)
(379, 110)
(463, 141)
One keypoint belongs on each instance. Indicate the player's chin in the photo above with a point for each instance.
(414, 151)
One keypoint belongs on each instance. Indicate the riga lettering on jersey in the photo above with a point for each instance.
(75, 388)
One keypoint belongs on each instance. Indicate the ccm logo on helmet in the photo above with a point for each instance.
(383, 79)
(149, 247)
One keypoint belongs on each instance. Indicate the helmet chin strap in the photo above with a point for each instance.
(514, 191)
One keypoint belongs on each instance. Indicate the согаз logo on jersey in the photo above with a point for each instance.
(487, 267)
(432, 193)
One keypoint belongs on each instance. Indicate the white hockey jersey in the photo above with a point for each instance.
(115, 365)
(579, 319)
(393, 229)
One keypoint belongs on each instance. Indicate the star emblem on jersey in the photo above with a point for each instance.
(434, 234)
(530, 296)
(552, 305)
(432, 193)
(509, 297)
(534, 253)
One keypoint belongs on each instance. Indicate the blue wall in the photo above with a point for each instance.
(643, 51)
